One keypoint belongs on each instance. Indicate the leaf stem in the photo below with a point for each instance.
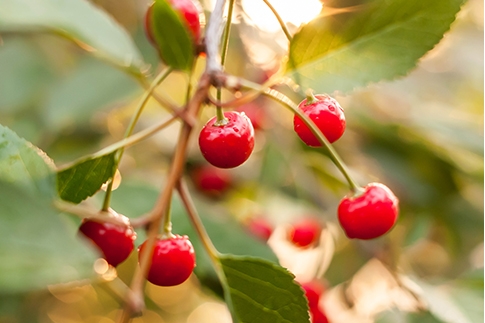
(280, 20)
(129, 130)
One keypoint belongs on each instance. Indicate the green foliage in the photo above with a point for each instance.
(28, 75)
(37, 245)
(419, 134)
(261, 291)
(85, 177)
(77, 20)
(171, 35)
(66, 105)
(23, 164)
(381, 40)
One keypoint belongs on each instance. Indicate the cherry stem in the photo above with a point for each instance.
(221, 120)
(310, 97)
(167, 221)
(129, 130)
(209, 247)
(280, 20)
(126, 142)
(278, 96)
(197, 223)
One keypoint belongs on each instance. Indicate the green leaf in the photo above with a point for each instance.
(37, 245)
(381, 40)
(263, 292)
(23, 164)
(90, 86)
(78, 20)
(25, 75)
(171, 35)
(85, 178)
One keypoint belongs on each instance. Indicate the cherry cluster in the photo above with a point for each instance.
(227, 141)
(172, 260)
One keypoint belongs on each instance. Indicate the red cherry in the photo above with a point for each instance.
(211, 180)
(317, 315)
(229, 145)
(260, 228)
(305, 233)
(313, 291)
(189, 13)
(370, 214)
(327, 115)
(173, 261)
(115, 241)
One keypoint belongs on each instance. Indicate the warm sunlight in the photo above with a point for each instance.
(294, 12)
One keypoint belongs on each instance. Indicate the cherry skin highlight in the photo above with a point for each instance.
(172, 262)
(305, 233)
(370, 214)
(114, 241)
(328, 116)
(228, 145)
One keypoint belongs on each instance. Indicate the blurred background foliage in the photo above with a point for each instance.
(421, 135)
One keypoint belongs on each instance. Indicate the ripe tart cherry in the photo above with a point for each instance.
(188, 12)
(172, 262)
(327, 115)
(115, 241)
(370, 214)
(229, 143)
(210, 180)
(305, 233)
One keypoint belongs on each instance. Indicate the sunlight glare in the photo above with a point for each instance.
(294, 12)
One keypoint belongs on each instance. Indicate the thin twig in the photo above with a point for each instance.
(134, 302)
(280, 20)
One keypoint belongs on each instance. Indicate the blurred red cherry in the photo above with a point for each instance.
(305, 233)
(260, 228)
(211, 181)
